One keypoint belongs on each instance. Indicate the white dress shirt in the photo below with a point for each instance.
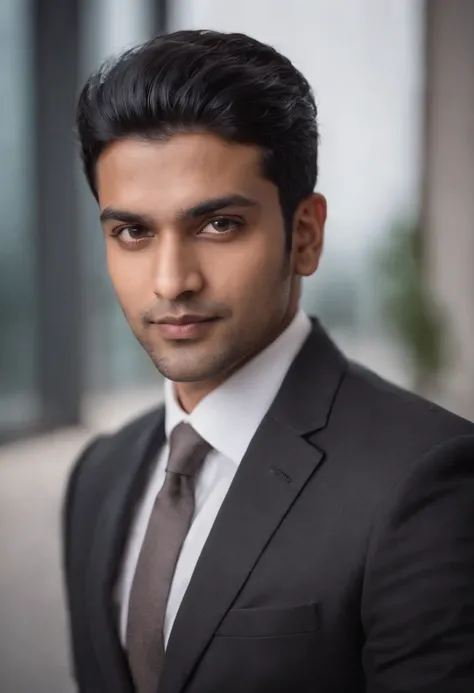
(227, 419)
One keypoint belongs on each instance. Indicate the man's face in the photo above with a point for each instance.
(193, 229)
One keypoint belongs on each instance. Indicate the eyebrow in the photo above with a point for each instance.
(215, 205)
(199, 210)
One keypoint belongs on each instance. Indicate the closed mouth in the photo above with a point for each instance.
(185, 320)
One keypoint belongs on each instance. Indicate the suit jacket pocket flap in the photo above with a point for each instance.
(270, 622)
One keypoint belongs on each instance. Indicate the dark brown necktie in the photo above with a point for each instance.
(169, 523)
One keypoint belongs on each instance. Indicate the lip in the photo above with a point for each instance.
(184, 319)
(182, 329)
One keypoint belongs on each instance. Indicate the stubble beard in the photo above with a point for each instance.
(186, 362)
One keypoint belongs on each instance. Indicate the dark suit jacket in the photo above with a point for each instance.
(342, 559)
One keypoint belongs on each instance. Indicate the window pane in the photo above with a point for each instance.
(18, 402)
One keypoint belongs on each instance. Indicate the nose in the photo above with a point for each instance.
(176, 270)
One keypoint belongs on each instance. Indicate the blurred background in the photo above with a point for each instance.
(394, 85)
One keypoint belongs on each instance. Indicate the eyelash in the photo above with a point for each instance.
(237, 223)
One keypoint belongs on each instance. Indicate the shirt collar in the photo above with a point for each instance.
(228, 417)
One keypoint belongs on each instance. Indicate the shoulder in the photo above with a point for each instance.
(377, 433)
(93, 465)
(100, 447)
(393, 413)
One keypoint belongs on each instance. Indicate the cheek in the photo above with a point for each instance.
(128, 275)
(248, 274)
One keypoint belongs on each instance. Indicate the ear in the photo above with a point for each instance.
(308, 234)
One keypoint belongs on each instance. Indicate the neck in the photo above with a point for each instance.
(190, 394)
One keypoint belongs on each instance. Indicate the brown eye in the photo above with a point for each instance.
(221, 225)
(131, 234)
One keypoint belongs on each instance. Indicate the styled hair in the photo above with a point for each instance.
(229, 85)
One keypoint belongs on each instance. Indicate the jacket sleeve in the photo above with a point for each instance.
(418, 591)
(67, 530)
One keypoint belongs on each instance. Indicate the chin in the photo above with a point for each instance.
(189, 369)
(181, 373)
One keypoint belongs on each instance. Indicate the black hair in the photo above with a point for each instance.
(230, 85)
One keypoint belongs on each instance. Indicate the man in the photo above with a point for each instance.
(288, 521)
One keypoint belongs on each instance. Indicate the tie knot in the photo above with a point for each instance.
(187, 450)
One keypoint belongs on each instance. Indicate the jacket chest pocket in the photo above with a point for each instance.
(270, 622)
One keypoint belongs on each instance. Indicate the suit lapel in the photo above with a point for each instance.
(273, 472)
(132, 455)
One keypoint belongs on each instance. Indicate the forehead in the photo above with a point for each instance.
(177, 172)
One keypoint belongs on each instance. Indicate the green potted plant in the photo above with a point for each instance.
(408, 305)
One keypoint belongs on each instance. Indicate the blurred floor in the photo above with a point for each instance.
(33, 650)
